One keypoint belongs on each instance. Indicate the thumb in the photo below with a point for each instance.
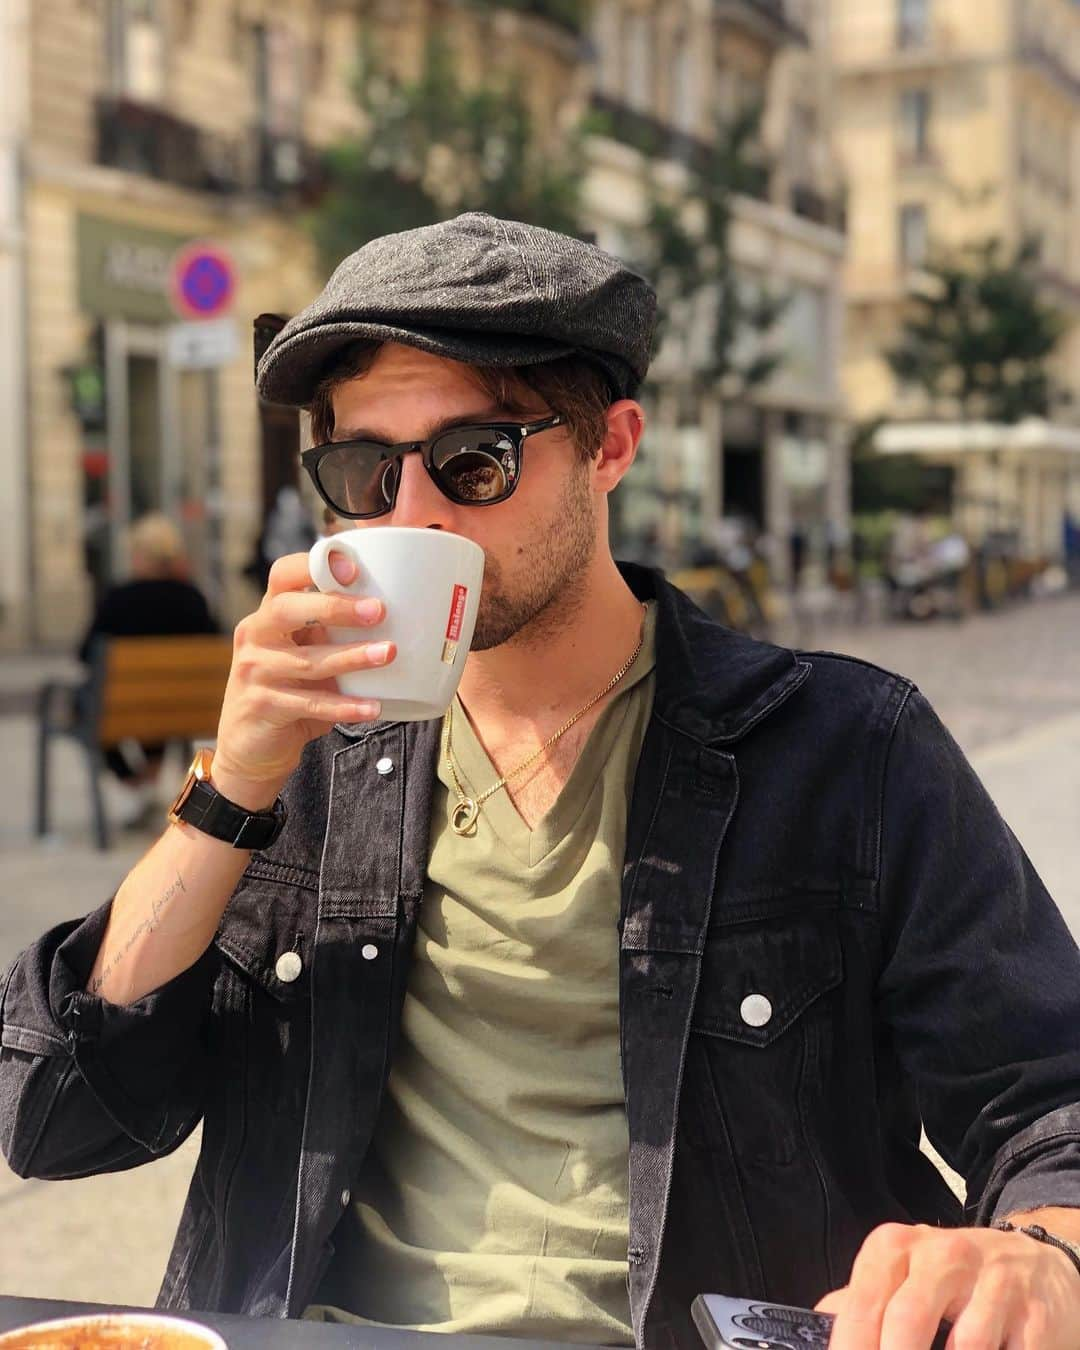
(832, 1302)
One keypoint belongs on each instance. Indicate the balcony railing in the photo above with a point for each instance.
(768, 18)
(572, 15)
(658, 139)
(153, 143)
(822, 208)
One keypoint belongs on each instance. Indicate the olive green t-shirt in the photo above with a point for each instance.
(494, 1196)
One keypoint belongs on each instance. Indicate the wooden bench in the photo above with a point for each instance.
(153, 690)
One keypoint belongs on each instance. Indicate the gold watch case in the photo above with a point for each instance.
(198, 773)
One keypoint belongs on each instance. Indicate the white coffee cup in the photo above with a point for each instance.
(429, 581)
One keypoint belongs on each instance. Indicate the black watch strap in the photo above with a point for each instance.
(209, 811)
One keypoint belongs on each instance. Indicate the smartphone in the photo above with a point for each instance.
(753, 1324)
(744, 1324)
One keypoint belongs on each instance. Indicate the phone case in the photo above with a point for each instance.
(745, 1324)
(755, 1324)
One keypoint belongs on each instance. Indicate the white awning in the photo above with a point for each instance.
(948, 440)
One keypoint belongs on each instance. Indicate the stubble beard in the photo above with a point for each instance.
(550, 584)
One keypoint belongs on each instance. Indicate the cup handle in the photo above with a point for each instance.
(319, 562)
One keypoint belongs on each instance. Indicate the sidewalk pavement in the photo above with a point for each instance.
(107, 1238)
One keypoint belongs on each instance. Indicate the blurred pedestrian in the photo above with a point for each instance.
(159, 600)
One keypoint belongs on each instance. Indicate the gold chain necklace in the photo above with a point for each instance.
(465, 813)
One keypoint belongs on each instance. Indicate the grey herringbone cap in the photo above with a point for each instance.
(476, 289)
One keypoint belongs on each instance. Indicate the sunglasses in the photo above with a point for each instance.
(471, 465)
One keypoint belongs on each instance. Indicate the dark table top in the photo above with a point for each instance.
(247, 1333)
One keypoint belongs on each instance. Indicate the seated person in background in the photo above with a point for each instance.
(158, 601)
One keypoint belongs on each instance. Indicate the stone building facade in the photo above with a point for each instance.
(775, 456)
(155, 147)
(153, 144)
(955, 122)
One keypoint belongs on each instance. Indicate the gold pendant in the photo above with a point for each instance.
(463, 817)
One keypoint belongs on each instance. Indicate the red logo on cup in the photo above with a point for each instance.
(457, 613)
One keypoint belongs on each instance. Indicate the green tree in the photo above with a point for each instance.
(432, 147)
(977, 338)
(688, 242)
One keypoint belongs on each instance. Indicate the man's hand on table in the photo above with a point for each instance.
(1001, 1291)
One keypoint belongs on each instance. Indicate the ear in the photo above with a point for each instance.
(625, 425)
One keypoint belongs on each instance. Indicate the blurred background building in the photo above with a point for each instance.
(774, 455)
(171, 168)
(960, 123)
(156, 158)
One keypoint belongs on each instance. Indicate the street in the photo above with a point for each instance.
(1006, 685)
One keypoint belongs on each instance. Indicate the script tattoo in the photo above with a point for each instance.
(143, 927)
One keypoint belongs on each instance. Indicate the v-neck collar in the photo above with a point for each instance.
(499, 814)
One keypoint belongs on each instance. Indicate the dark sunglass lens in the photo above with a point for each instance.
(358, 480)
(476, 464)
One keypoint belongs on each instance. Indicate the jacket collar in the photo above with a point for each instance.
(713, 684)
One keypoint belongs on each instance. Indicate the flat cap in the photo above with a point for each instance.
(475, 289)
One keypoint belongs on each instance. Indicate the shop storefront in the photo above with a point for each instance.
(147, 394)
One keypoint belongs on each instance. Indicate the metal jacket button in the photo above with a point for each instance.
(369, 951)
(288, 967)
(344, 1198)
(384, 765)
(755, 1010)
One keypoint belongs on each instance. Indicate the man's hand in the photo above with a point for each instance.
(282, 691)
(1001, 1291)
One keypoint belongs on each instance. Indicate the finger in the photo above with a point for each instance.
(324, 706)
(832, 1302)
(321, 661)
(288, 573)
(292, 610)
(1032, 1329)
(986, 1320)
(880, 1269)
(342, 568)
(942, 1275)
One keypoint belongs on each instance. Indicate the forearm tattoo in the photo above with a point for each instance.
(141, 929)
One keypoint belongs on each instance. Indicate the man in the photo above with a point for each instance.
(633, 978)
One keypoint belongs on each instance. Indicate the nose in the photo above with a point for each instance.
(419, 502)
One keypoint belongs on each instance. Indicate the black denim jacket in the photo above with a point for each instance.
(802, 829)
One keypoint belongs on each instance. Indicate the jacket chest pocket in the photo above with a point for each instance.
(266, 940)
(760, 1038)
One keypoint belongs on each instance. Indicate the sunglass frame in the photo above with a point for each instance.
(515, 432)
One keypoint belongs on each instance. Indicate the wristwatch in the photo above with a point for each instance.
(199, 803)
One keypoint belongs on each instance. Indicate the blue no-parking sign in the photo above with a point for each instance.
(203, 281)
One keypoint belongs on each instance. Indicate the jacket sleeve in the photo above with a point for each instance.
(87, 1086)
(980, 981)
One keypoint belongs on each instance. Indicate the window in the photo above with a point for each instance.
(802, 142)
(913, 235)
(605, 34)
(277, 79)
(136, 50)
(684, 100)
(638, 62)
(804, 335)
(913, 22)
(915, 124)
